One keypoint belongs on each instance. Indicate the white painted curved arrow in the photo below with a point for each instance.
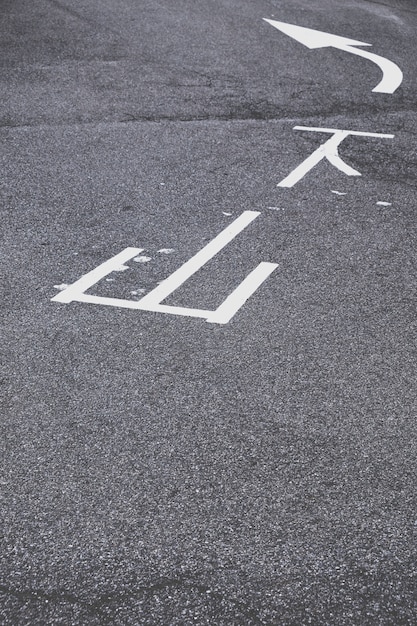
(392, 75)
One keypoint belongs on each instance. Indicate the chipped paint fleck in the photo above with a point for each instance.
(142, 259)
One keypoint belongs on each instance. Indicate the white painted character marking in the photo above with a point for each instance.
(392, 76)
(329, 151)
(152, 301)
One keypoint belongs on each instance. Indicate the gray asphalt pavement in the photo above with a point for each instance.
(160, 469)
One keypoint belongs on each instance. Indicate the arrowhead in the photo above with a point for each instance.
(314, 38)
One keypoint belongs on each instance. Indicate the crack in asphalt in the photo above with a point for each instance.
(384, 4)
(81, 17)
(131, 118)
(109, 598)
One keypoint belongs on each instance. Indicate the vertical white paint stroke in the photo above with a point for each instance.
(241, 294)
(190, 267)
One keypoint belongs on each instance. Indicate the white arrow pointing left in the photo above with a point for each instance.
(392, 75)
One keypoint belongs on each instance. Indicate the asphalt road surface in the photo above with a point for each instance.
(159, 467)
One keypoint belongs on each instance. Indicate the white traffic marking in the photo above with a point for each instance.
(152, 301)
(339, 193)
(329, 151)
(392, 76)
(384, 203)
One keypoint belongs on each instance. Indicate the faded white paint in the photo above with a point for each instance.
(77, 289)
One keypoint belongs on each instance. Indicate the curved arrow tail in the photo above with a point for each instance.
(392, 75)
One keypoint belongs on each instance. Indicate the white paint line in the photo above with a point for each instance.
(329, 151)
(385, 203)
(166, 251)
(121, 268)
(138, 306)
(116, 302)
(392, 76)
(142, 259)
(74, 291)
(243, 292)
(175, 310)
(338, 193)
(190, 267)
(334, 131)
